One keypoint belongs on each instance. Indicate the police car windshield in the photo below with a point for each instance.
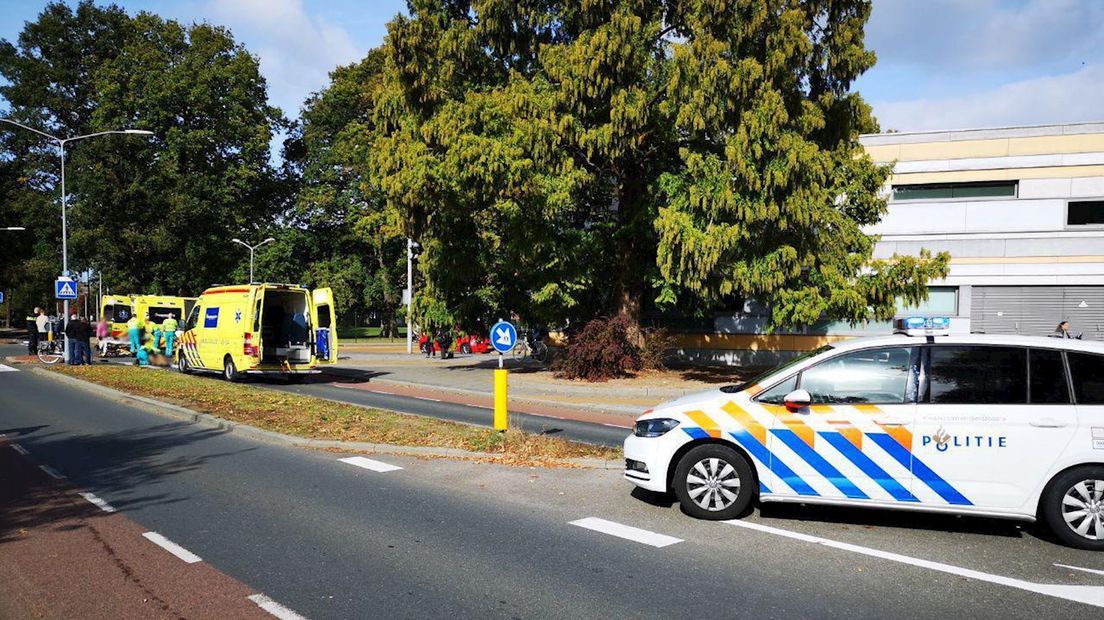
(740, 387)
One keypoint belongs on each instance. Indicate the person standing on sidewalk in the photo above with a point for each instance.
(103, 332)
(86, 341)
(72, 333)
(42, 322)
(32, 332)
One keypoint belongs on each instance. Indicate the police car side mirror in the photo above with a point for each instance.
(797, 400)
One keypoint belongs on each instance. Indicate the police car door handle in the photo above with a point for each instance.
(1048, 423)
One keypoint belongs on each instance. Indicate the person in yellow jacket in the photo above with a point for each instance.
(134, 332)
(168, 331)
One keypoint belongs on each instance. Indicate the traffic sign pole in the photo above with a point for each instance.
(503, 338)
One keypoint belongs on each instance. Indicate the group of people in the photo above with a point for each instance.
(147, 339)
(150, 340)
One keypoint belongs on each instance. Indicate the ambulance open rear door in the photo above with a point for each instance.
(325, 326)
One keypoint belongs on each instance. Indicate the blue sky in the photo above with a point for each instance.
(942, 63)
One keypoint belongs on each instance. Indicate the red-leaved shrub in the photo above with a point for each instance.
(601, 351)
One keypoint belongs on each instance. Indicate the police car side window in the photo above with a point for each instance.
(865, 376)
(776, 394)
(1088, 377)
(978, 375)
(1048, 378)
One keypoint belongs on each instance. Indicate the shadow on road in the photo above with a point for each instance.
(120, 464)
(871, 517)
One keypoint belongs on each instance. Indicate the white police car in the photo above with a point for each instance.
(1000, 426)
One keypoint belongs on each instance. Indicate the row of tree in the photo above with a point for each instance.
(558, 161)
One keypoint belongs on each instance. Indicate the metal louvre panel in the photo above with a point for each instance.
(1037, 310)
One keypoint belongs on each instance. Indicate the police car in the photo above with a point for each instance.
(996, 426)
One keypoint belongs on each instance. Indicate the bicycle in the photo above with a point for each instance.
(531, 348)
(51, 351)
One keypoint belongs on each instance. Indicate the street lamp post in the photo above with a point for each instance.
(252, 248)
(61, 142)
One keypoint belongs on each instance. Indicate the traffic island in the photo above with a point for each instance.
(319, 423)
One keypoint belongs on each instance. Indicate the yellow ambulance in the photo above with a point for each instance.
(154, 309)
(282, 329)
(117, 309)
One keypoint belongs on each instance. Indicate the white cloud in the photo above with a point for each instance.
(296, 50)
(987, 34)
(1072, 97)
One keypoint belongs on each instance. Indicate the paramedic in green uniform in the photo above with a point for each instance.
(168, 331)
(134, 331)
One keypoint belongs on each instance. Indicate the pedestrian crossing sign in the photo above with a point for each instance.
(65, 288)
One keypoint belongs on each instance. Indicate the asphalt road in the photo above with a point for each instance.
(438, 537)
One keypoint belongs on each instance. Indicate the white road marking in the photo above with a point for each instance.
(104, 506)
(379, 466)
(274, 608)
(616, 425)
(476, 406)
(1090, 595)
(6, 368)
(1085, 570)
(172, 547)
(51, 471)
(20, 449)
(626, 531)
(436, 400)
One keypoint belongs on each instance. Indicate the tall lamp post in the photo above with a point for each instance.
(252, 249)
(61, 142)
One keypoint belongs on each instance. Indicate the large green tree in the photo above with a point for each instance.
(153, 215)
(567, 159)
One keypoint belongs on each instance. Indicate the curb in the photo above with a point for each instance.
(188, 415)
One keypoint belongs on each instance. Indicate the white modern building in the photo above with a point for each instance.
(1021, 211)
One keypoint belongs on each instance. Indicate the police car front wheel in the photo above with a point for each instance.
(713, 482)
(1073, 507)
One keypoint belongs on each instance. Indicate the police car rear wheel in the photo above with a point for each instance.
(1074, 508)
(713, 482)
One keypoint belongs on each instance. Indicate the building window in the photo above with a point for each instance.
(1085, 213)
(947, 191)
(942, 301)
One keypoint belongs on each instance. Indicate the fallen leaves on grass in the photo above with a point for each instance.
(316, 418)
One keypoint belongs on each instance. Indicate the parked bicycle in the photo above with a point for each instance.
(51, 351)
(530, 345)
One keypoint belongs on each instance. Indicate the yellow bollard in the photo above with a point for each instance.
(500, 420)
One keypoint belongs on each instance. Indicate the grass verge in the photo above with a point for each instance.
(316, 418)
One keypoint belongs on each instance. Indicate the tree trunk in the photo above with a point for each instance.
(634, 235)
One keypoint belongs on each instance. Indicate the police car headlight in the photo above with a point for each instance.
(654, 427)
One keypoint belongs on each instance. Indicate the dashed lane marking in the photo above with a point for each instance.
(20, 449)
(1090, 595)
(378, 466)
(436, 400)
(102, 505)
(616, 425)
(6, 368)
(1084, 570)
(172, 547)
(53, 473)
(626, 531)
(274, 608)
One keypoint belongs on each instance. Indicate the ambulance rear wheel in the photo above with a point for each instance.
(714, 482)
(229, 370)
(1073, 507)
